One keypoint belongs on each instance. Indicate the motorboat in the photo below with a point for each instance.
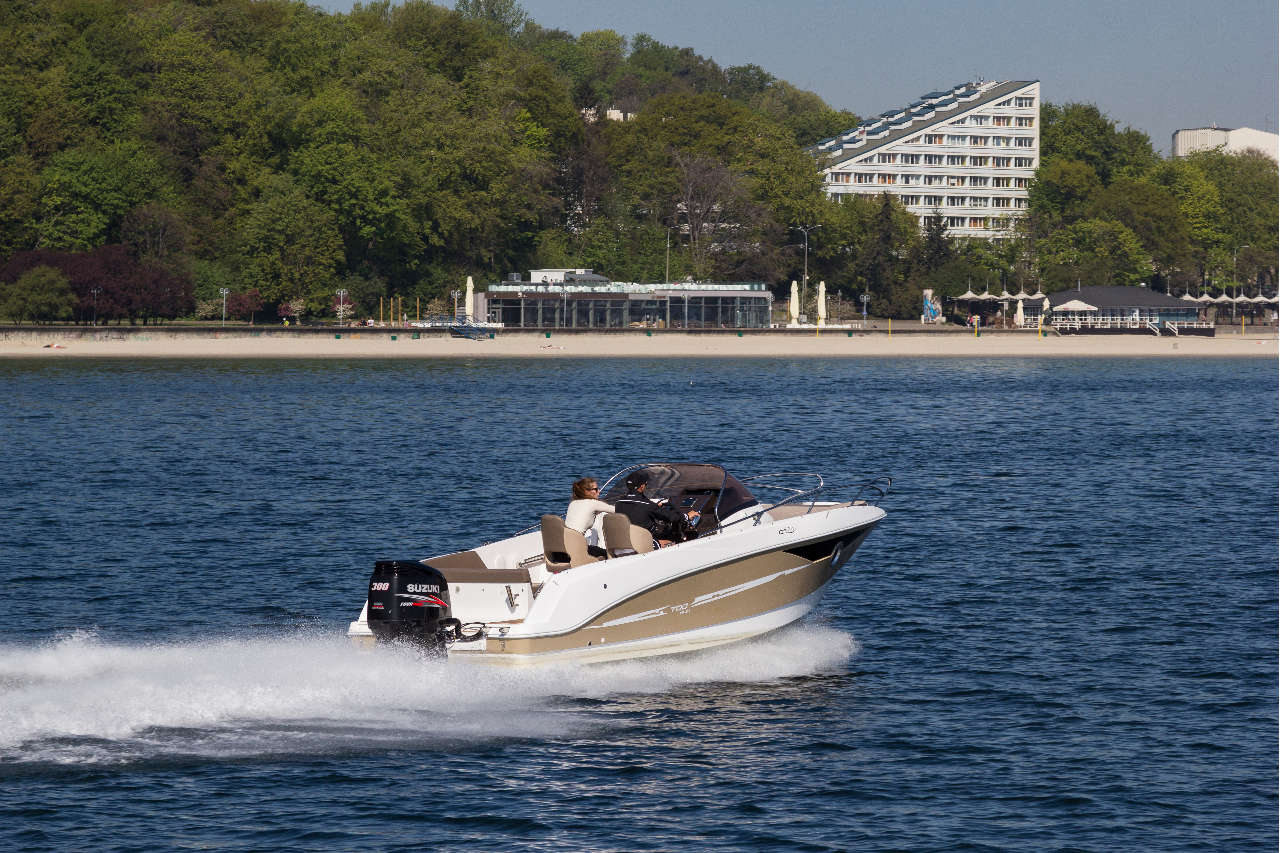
(754, 565)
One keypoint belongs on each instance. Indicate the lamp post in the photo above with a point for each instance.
(95, 290)
(1234, 277)
(342, 314)
(224, 291)
(804, 279)
(455, 294)
(865, 299)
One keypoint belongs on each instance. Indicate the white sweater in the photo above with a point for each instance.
(581, 514)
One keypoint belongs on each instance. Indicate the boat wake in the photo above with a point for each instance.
(79, 700)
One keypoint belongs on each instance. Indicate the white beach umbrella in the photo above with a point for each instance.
(1022, 294)
(471, 299)
(1077, 305)
(822, 302)
(987, 296)
(1046, 307)
(1259, 299)
(1241, 298)
(967, 296)
(795, 303)
(1223, 299)
(1187, 297)
(1005, 295)
(1204, 297)
(1018, 316)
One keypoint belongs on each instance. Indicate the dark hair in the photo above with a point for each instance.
(636, 479)
(581, 487)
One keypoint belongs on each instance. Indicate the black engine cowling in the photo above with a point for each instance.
(409, 602)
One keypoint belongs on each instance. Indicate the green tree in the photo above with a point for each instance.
(41, 293)
(1095, 252)
(86, 192)
(1083, 133)
(290, 244)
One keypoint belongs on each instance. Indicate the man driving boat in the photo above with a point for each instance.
(665, 524)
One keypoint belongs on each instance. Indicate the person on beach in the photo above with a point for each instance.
(666, 525)
(583, 511)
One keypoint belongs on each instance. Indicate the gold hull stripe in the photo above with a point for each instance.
(702, 600)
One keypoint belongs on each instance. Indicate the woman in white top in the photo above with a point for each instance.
(583, 511)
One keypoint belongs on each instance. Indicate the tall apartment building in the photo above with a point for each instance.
(969, 152)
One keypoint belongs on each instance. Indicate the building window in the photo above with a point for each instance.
(1006, 102)
(864, 178)
(909, 179)
(933, 139)
(931, 200)
(977, 222)
(1002, 162)
(976, 181)
(839, 177)
(955, 180)
(911, 200)
(979, 161)
(882, 178)
(979, 140)
(1001, 202)
(933, 159)
(1021, 183)
(887, 158)
(956, 159)
(1020, 202)
(1026, 121)
(979, 201)
(1024, 142)
(1022, 162)
(957, 140)
(915, 140)
(1000, 182)
(1001, 121)
(910, 159)
(955, 221)
(955, 201)
(999, 142)
(935, 180)
(978, 121)
(1024, 102)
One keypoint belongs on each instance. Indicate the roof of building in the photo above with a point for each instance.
(1117, 297)
(933, 108)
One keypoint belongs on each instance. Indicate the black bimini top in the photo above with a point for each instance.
(674, 480)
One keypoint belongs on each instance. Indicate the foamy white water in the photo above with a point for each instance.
(82, 700)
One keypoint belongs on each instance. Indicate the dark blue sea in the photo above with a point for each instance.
(1063, 637)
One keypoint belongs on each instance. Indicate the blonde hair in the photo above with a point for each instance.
(581, 487)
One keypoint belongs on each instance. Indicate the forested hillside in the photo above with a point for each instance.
(154, 154)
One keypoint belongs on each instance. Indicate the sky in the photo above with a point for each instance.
(1154, 66)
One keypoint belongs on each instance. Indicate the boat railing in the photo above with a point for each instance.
(849, 491)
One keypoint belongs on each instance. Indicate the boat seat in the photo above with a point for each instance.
(622, 538)
(563, 547)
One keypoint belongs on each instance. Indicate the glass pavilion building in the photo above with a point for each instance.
(581, 299)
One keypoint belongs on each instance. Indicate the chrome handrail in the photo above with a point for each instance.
(868, 491)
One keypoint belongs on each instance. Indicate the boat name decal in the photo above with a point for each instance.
(782, 531)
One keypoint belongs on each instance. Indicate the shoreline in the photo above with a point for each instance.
(170, 342)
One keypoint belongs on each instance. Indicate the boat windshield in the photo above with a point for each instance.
(678, 481)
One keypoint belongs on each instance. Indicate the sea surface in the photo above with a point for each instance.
(1063, 636)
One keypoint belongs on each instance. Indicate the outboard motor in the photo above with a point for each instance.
(409, 602)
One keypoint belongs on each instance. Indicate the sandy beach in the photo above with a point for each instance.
(140, 342)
